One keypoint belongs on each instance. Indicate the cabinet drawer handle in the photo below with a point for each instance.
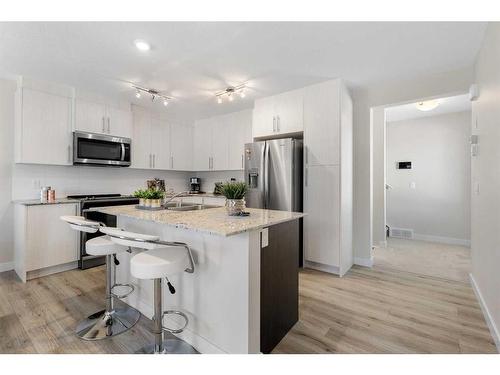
(278, 124)
(274, 124)
(242, 165)
(69, 154)
(154, 160)
(109, 126)
(305, 178)
(171, 162)
(103, 124)
(150, 160)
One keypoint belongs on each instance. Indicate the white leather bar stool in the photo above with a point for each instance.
(161, 260)
(112, 320)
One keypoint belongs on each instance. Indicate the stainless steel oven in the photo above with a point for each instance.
(101, 149)
(87, 202)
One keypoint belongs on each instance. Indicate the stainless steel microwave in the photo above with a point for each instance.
(101, 149)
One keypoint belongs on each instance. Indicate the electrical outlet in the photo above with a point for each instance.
(413, 185)
(476, 187)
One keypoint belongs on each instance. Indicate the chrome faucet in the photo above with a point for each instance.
(181, 194)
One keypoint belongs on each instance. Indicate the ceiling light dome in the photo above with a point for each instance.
(427, 105)
(142, 45)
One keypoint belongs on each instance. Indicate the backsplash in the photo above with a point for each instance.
(208, 179)
(28, 178)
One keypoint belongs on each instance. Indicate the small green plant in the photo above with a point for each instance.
(234, 190)
(139, 193)
(149, 194)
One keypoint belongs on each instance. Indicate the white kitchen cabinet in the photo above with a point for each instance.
(43, 128)
(141, 141)
(240, 133)
(90, 117)
(322, 123)
(321, 225)
(219, 141)
(278, 115)
(119, 122)
(44, 244)
(202, 145)
(328, 174)
(160, 144)
(94, 117)
(181, 147)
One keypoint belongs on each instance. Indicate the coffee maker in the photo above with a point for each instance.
(195, 183)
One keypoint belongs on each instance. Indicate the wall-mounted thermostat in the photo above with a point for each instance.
(403, 165)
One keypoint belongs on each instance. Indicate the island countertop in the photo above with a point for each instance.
(212, 220)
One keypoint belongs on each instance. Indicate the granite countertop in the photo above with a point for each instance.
(212, 220)
(38, 202)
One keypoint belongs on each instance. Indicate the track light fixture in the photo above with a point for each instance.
(153, 94)
(230, 93)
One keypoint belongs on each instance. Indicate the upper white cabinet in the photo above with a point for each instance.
(96, 117)
(181, 146)
(322, 123)
(159, 144)
(219, 141)
(278, 115)
(43, 127)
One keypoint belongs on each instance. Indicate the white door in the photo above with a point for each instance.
(240, 132)
(220, 143)
(141, 143)
(202, 145)
(46, 129)
(289, 112)
(50, 241)
(181, 145)
(160, 143)
(90, 117)
(322, 224)
(264, 118)
(322, 124)
(119, 122)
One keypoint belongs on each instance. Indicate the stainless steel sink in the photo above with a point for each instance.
(170, 205)
(190, 207)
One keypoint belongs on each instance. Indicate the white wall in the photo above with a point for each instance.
(485, 234)
(7, 89)
(379, 207)
(380, 94)
(438, 207)
(208, 179)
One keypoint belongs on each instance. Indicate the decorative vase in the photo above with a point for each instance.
(235, 207)
(142, 202)
(155, 203)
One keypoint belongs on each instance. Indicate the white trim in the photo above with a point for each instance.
(7, 266)
(487, 316)
(439, 239)
(322, 267)
(365, 262)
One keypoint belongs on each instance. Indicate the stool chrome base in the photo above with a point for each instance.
(104, 324)
(170, 346)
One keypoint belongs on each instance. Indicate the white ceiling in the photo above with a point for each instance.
(459, 103)
(191, 61)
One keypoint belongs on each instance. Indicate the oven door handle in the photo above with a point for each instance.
(123, 152)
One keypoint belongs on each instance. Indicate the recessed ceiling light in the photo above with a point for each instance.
(428, 105)
(142, 45)
(137, 94)
(165, 102)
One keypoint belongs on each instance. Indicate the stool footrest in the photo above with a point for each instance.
(175, 312)
(120, 296)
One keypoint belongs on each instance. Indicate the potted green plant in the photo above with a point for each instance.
(235, 197)
(140, 193)
(154, 197)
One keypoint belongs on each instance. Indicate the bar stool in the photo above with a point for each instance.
(112, 320)
(161, 260)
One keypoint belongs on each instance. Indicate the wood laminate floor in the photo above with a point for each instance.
(366, 311)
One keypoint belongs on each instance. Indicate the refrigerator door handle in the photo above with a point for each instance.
(266, 175)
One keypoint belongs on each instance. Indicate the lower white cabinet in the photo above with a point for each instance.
(322, 223)
(44, 244)
(43, 128)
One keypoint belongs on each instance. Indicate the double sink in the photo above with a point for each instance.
(180, 206)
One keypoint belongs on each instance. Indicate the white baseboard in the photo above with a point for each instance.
(440, 239)
(486, 312)
(322, 267)
(7, 266)
(365, 262)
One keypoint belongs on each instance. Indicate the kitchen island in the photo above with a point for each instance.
(243, 295)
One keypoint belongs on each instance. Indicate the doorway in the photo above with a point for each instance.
(421, 215)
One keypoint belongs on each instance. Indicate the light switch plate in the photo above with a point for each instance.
(264, 238)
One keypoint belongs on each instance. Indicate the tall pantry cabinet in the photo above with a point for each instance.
(328, 174)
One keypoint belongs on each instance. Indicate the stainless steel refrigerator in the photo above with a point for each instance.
(273, 172)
